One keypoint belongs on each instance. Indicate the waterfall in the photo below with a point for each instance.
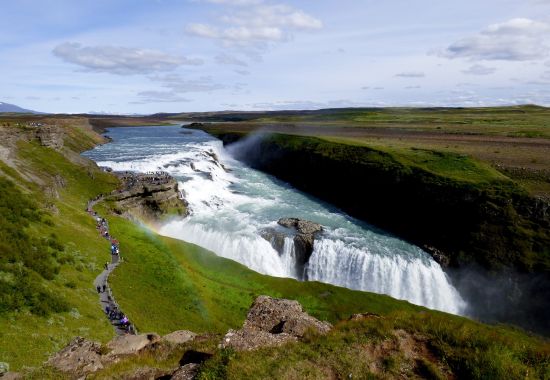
(417, 280)
(231, 204)
(250, 250)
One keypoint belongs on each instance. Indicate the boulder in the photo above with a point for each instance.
(303, 240)
(251, 339)
(302, 226)
(131, 344)
(78, 358)
(186, 372)
(272, 322)
(179, 337)
(277, 315)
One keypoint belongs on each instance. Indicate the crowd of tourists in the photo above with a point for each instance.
(112, 310)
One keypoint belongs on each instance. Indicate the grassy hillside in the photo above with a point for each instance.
(194, 289)
(51, 253)
(165, 284)
(50, 250)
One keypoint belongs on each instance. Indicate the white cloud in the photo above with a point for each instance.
(120, 60)
(277, 15)
(159, 97)
(305, 104)
(479, 70)
(258, 23)
(411, 74)
(518, 39)
(178, 84)
(226, 59)
(239, 34)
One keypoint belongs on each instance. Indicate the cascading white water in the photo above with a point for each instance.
(231, 205)
(419, 281)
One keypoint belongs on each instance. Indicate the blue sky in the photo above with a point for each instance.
(146, 56)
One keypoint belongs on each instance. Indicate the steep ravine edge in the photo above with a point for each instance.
(493, 239)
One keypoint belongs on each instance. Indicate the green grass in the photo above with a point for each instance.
(64, 255)
(375, 348)
(192, 288)
(446, 164)
(517, 121)
(165, 285)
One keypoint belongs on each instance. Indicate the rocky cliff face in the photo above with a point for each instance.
(50, 136)
(302, 232)
(148, 197)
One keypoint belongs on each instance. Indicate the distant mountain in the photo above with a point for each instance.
(6, 107)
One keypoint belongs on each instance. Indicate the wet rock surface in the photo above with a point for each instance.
(304, 239)
(273, 322)
(304, 227)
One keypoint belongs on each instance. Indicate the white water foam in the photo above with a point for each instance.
(421, 282)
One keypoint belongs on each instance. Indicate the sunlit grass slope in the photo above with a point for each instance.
(50, 252)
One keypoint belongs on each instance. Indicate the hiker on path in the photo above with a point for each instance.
(104, 288)
(98, 289)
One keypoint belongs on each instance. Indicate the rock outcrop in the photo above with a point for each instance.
(303, 241)
(186, 372)
(50, 136)
(131, 344)
(273, 322)
(304, 233)
(270, 322)
(179, 337)
(80, 357)
(148, 197)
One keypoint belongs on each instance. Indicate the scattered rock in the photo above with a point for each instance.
(78, 358)
(362, 316)
(272, 322)
(131, 344)
(251, 339)
(11, 376)
(179, 337)
(194, 357)
(4, 368)
(186, 372)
